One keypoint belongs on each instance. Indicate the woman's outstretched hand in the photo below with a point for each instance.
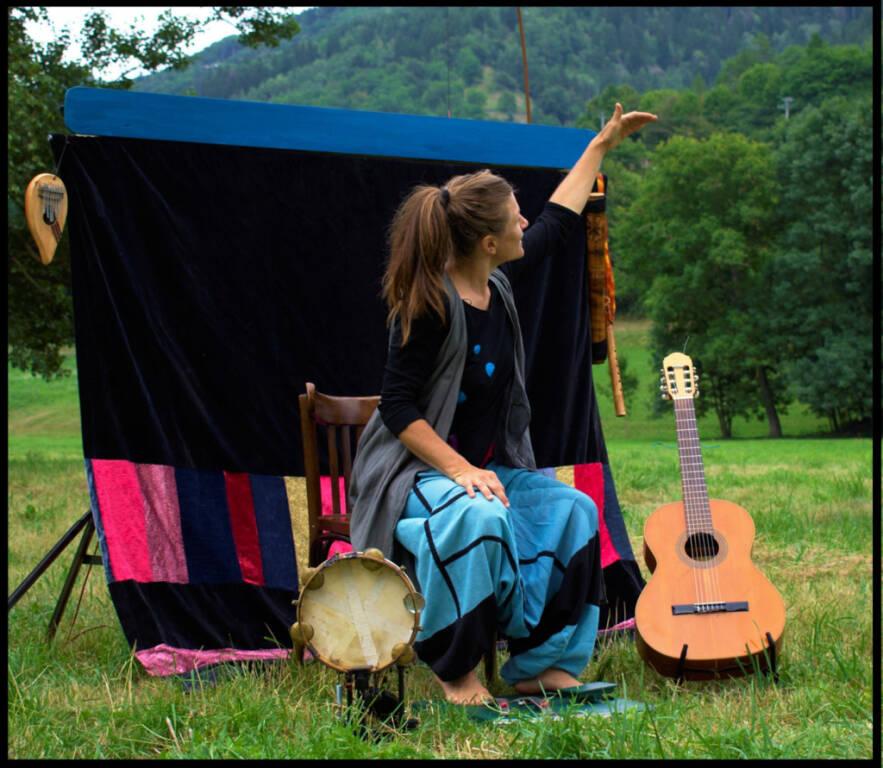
(485, 480)
(619, 126)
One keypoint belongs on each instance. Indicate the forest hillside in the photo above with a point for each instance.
(433, 60)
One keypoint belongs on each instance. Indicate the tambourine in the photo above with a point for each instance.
(357, 611)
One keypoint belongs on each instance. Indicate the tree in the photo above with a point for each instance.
(506, 104)
(40, 314)
(473, 104)
(468, 66)
(697, 238)
(822, 272)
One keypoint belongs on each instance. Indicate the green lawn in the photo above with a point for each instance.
(632, 342)
(84, 696)
(44, 417)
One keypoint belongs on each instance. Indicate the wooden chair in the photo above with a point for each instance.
(342, 419)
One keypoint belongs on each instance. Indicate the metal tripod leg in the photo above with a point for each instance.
(85, 522)
(48, 559)
(79, 558)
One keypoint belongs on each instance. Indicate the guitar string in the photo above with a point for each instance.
(698, 581)
(685, 487)
(702, 549)
(699, 513)
(703, 506)
(713, 556)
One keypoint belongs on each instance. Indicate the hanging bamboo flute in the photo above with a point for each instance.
(602, 290)
(615, 378)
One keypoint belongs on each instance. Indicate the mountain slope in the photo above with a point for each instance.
(432, 60)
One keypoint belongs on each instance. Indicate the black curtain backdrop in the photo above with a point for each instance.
(211, 282)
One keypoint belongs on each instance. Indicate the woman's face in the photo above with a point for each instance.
(508, 242)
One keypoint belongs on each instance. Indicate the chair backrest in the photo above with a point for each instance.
(342, 419)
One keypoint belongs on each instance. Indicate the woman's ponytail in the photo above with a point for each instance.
(419, 248)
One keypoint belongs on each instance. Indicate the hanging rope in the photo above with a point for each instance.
(524, 62)
(448, 49)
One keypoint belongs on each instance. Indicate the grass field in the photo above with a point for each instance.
(84, 696)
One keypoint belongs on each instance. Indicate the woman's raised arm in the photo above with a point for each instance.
(573, 191)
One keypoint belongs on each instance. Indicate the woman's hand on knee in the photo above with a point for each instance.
(485, 480)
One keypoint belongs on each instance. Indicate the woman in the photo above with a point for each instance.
(521, 556)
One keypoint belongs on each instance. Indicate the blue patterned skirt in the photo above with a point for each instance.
(530, 573)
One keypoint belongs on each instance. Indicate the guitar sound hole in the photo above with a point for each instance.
(701, 546)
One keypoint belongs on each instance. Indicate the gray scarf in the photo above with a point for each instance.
(384, 469)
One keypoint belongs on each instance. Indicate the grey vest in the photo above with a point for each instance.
(384, 469)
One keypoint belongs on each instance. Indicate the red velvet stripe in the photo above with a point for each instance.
(244, 525)
(589, 478)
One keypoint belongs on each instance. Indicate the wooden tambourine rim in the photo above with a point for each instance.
(415, 628)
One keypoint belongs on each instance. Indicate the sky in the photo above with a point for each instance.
(122, 19)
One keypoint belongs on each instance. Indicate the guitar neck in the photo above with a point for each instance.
(696, 506)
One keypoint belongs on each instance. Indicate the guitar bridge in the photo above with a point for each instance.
(719, 607)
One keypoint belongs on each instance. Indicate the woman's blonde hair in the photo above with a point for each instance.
(432, 226)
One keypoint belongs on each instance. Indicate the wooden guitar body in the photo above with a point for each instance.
(718, 642)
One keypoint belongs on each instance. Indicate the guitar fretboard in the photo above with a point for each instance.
(696, 506)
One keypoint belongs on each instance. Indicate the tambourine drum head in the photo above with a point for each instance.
(358, 615)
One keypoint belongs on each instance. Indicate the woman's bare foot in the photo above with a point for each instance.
(550, 680)
(465, 690)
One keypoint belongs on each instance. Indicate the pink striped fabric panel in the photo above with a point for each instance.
(138, 504)
(162, 515)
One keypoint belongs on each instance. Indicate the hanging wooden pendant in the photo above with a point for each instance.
(45, 212)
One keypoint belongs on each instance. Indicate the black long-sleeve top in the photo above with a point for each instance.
(489, 359)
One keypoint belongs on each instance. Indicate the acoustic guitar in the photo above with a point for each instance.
(706, 611)
(45, 212)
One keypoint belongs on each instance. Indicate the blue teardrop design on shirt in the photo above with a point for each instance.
(461, 398)
(489, 369)
(476, 349)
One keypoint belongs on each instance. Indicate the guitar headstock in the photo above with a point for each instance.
(679, 379)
